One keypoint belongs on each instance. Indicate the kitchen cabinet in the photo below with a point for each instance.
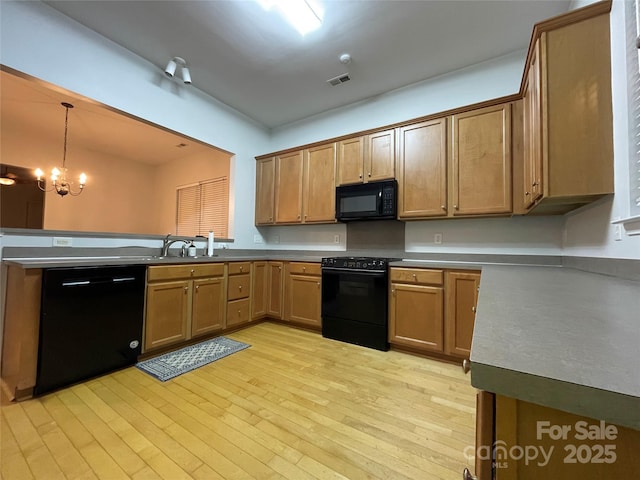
(568, 153)
(319, 202)
(303, 293)
(416, 309)
(367, 158)
(504, 424)
(461, 298)
(275, 275)
(183, 301)
(422, 170)
(259, 289)
(288, 187)
(480, 173)
(265, 191)
(304, 187)
(432, 310)
(238, 293)
(21, 331)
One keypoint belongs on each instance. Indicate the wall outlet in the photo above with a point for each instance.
(276, 239)
(257, 239)
(617, 233)
(62, 241)
(336, 239)
(437, 238)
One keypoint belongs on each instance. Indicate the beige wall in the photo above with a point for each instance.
(184, 171)
(121, 195)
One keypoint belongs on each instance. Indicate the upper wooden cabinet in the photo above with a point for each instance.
(297, 187)
(319, 201)
(288, 187)
(480, 176)
(265, 190)
(568, 153)
(422, 170)
(368, 158)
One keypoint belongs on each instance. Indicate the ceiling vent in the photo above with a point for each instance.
(339, 79)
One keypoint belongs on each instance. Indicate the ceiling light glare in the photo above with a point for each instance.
(304, 15)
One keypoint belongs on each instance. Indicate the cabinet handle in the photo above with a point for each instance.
(414, 276)
(443, 207)
(456, 207)
(473, 309)
(305, 215)
(304, 269)
(197, 288)
(298, 217)
(240, 287)
(393, 291)
(466, 365)
(192, 271)
(271, 219)
(360, 176)
(534, 184)
(369, 173)
(186, 289)
(527, 193)
(466, 475)
(238, 312)
(279, 268)
(241, 267)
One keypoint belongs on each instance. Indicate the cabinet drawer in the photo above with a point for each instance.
(172, 272)
(238, 286)
(416, 275)
(304, 268)
(237, 312)
(237, 268)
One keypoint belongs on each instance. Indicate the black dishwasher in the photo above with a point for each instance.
(90, 324)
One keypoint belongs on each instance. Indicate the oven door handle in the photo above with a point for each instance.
(370, 273)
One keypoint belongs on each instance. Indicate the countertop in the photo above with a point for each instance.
(560, 337)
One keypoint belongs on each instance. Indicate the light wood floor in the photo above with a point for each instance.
(294, 406)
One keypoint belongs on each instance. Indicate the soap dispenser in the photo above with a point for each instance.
(191, 251)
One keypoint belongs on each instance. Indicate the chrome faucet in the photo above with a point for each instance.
(167, 242)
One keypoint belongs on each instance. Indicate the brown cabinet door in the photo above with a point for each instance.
(460, 312)
(167, 313)
(415, 316)
(304, 297)
(207, 312)
(265, 190)
(380, 156)
(275, 277)
(532, 118)
(288, 194)
(350, 161)
(319, 184)
(422, 175)
(481, 161)
(259, 290)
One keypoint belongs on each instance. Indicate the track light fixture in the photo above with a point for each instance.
(170, 69)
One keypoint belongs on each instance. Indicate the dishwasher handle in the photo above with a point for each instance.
(97, 281)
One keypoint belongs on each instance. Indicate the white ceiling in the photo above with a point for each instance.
(253, 61)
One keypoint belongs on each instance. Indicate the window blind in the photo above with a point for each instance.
(203, 207)
(632, 15)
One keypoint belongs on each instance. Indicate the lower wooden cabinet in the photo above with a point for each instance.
(303, 293)
(183, 301)
(416, 316)
(432, 310)
(461, 296)
(275, 276)
(511, 436)
(238, 294)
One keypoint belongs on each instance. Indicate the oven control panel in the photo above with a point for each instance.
(355, 263)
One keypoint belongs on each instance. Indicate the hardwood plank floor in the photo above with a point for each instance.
(293, 406)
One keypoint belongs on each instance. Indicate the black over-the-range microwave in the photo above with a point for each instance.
(367, 201)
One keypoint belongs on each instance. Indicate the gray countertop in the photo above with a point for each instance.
(560, 337)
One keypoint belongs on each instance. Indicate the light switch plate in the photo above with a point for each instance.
(437, 238)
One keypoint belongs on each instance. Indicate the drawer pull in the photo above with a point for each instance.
(239, 287)
(192, 271)
(241, 267)
(186, 289)
(414, 276)
(473, 309)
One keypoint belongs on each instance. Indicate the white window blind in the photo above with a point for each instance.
(632, 15)
(203, 207)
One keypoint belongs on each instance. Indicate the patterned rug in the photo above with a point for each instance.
(170, 365)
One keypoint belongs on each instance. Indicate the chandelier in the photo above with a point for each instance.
(59, 181)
